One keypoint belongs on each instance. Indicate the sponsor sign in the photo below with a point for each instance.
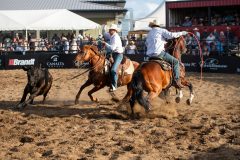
(213, 64)
(19, 62)
(55, 62)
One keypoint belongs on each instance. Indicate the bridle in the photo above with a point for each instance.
(90, 60)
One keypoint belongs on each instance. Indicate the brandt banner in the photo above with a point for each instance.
(13, 61)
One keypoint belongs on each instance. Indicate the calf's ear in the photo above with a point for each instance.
(25, 68)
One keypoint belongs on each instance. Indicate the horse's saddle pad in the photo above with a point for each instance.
(165, 65)
(124, 68)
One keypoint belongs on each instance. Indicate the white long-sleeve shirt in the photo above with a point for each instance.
(115, 43)
(156, 39)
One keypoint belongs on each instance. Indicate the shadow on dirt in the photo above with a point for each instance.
(223, 152)
(50, 109)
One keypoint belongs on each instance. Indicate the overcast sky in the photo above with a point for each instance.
(142, 8)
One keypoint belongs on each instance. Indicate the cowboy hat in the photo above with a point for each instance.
(114, 27)
(154, 23)
(64, 39)
(196, 29)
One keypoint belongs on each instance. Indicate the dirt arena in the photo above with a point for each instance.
(209, 129)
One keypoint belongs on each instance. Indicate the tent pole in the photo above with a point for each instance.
(26, 35)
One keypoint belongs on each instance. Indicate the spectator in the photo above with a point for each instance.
(205, 34)
(194, 21)
(189, 40)
(65, 45)
(210, 39)
(187, 22)
(205, 50)
(131, 48)
(74, 47)
(195, 41)
(216, 34)
(125, 41)
(222, 38)
(99, 42)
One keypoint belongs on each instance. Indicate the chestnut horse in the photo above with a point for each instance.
(97, 75)
(150, 77)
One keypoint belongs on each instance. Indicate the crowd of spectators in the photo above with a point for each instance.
(69, 43)
(216, 42)
(212, 42)
(215, 20)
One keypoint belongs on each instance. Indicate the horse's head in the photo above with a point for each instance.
(176, 47)
(85, 55)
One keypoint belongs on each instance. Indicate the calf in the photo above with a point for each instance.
(39, 83)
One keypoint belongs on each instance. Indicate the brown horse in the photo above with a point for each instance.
(98, 75)
(151, 77)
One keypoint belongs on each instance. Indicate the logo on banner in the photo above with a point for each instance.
(55, 62)
(213, 63)
(17, 62)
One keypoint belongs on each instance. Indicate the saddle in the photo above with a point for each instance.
(126, 66)
(165, 65)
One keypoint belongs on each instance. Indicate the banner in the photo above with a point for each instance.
(2, 60)
(15, 61)
(217, 64)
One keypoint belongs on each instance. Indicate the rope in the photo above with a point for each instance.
(200, 53)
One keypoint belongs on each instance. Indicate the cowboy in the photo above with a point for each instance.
(115, 46)
(155, 47)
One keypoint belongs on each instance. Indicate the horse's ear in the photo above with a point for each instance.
(25, 68)
(94, 49)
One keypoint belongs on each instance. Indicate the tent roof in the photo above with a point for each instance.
(44, 20)
(9, 24)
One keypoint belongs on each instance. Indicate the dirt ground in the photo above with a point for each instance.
(209, 129)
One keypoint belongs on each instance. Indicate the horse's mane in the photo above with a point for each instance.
(170, 45)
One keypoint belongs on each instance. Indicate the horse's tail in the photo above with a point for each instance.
(137, 86)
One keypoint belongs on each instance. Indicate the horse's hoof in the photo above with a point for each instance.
(177, 99)
(115, 99)
(188, 102)
(20, 106)
(76, 102)
(96, 100)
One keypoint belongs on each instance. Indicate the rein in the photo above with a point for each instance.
(90, 69)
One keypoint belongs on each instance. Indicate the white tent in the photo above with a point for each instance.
(61, 19)
(7, 24)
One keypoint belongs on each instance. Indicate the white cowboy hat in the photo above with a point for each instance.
(114, 27)
(154, 23)
(64, 39)
(196, 29)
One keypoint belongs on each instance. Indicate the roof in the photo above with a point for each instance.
(44, 20)
(82, 5)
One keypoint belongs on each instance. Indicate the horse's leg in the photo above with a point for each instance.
(45, 94)
(150, 97)
(189, 85)
(86, 84)
(166, 94)
(21, 105)
(128, 95)
(179, 95)
(95, 89)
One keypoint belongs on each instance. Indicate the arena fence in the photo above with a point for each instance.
(217, 64)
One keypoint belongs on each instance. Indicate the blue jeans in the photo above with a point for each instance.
(114, 75)
(173, 61)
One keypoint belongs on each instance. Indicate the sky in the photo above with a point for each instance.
(142, 8)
